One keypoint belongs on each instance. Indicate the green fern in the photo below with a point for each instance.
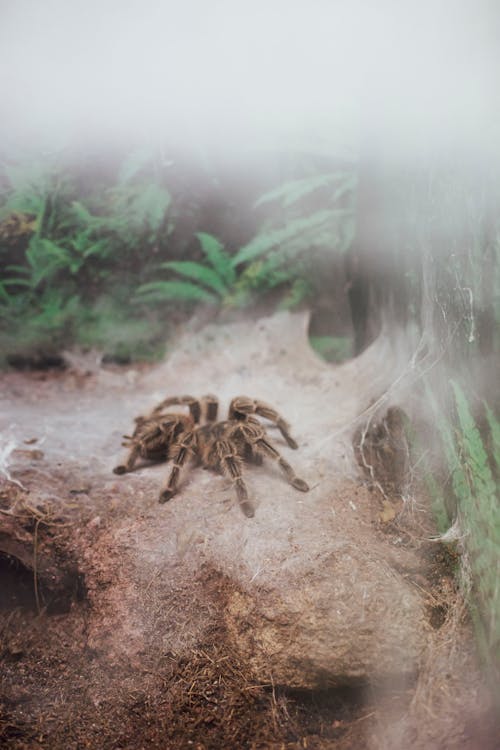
(291, 192)
(164, 291)
(476, 455)
(218, 277)
(44, 259)
(494, 426)
(300, 229)
(218, 258)
(198, 272)
(476, 493)
(476, 496)
(299, 290)
(136, 209)
(85, 219)
(29, 185)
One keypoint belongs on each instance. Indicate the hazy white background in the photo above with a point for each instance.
(237, 74)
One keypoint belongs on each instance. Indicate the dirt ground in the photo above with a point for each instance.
(66, 685)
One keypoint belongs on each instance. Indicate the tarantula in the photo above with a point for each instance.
(219, 445)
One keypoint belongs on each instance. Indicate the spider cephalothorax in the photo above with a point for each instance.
(223, 446)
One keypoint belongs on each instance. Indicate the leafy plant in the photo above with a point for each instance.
(302, 225)
(292, 191)
(282, 253)
(271, 259)
(475, 492)
(65, 244)
(62, 246)
(214, 280)
(218, 281)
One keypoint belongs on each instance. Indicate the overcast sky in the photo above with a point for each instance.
(242, 73)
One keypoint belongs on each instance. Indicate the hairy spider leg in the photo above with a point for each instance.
(230, 463)
(189, 401)
(129, 464)
(211, 404)
(139, 448)
(152, 440)
(260, 444)
(251, 456)
(264, 411)
(271, 451)
(180, 452)
(242, 406)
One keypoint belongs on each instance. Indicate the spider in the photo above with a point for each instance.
(219, 445)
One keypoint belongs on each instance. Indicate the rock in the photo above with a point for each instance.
(349, 619)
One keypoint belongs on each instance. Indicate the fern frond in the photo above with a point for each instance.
(198, 272)
(494, 426)
(163, 291)
(475, 452)
(292, 191)
(267, 240)
(82, 214)
(299, 290)
(218, 258)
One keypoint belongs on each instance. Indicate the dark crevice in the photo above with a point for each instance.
(19, 590)
(437, 615)
(33, 362)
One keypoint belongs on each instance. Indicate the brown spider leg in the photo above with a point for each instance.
(251, 456)
(189, 401)
(130, 462)
(265, 447)
(182, 451)
(230, 464)
(138, 449)
(265, 411)
(139, 421)
(244, 406)
(211, 404)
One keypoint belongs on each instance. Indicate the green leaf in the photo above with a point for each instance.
(198, 272)
(153, 202)
(53, 250)
(3, 291)
(83, 216)
(494, 425)
(19, 269)
(161, 291)
(138, 207)
(292, 191)
(265, 241)
(220, 261)
(27, 203)
(101, 248)
(17, 282)
(477, 457)
(299, 290)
